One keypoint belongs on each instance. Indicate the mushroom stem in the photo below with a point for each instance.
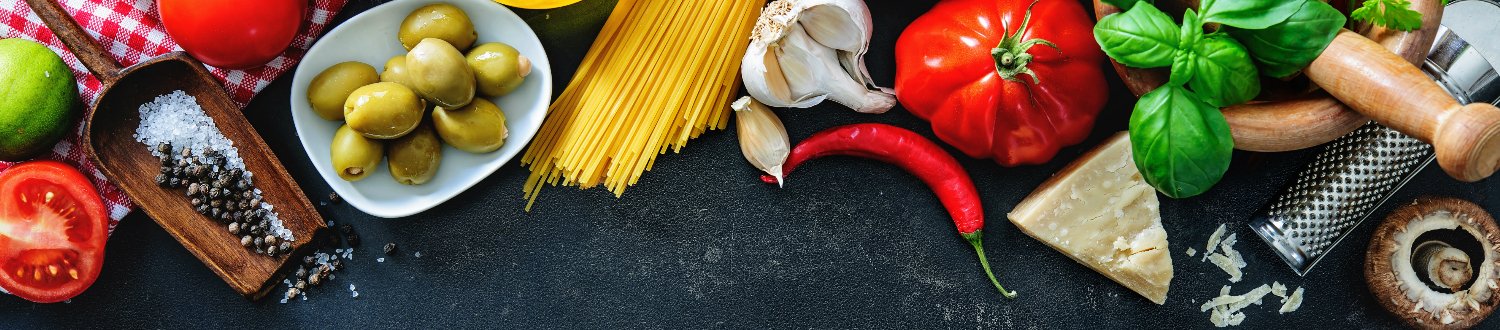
(1446, 266)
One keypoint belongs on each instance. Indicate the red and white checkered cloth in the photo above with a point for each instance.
(131, 30)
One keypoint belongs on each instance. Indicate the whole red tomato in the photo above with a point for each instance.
(52, 231)
(1015, 80)
(232, 34)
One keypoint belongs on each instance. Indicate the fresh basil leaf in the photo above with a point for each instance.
(1181, 145)
(1249, 14)
(1192, 30)
(1124, 4)
(1143, 37)
(1182, 59)
(1283, 49)
(1182, 68)
(1223, 74)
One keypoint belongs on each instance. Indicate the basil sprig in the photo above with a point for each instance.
(1182, 142)
(1142, 37)
(1285, 48)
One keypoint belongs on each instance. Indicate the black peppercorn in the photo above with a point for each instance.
(260, 241)
(246, 241)
(334, 198)
(164, 148)
(390, 248)
(161, 179)
(234, 228)
(349, 235)
(286, 246)
(273, 250)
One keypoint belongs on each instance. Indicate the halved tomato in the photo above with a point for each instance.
(52, 231)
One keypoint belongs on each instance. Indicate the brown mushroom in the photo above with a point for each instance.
(1433, 263)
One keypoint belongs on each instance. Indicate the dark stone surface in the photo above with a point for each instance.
(701, 243)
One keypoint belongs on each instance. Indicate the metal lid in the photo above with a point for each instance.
(1466, 69)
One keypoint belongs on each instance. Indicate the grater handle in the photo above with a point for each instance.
(1386, 88)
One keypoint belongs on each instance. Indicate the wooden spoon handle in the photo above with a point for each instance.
(1384, 87)
(83, 46)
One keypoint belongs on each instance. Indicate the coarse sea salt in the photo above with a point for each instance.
(177, 119)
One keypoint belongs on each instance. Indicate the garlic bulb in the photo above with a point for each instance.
(804, 51)
(762, 137)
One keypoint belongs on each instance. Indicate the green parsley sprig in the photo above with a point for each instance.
(1394, 14)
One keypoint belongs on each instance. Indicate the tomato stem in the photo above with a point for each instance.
(974, 239)
(1011, 57)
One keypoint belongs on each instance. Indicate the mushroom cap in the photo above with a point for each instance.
(1425, 308)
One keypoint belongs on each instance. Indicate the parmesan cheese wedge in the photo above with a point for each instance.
(1101, 213)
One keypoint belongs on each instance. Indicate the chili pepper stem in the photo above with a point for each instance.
(1011, 57)
(974, 239)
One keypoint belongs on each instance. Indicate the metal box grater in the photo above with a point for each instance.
(1355, 174)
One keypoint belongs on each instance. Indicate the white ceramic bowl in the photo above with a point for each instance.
(370, 37)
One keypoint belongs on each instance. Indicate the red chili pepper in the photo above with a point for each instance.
(918, 156)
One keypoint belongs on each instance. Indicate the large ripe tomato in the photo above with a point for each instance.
(1013, 80)
(232, 34)
(52, 231)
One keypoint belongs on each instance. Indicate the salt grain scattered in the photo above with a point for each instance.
(382, 259)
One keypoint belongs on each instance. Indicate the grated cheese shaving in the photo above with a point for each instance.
(1227, 308)
(1227, 264)
(1279, 290)
(1213, 241)
(1291, 303)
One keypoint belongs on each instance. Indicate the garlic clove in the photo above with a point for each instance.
(839, 24)
(763, 138)
(813, 74)
(803, 52)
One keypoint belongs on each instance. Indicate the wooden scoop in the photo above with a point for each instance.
(1395, 93)
(129, 164)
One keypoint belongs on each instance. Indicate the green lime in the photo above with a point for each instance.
(38, 99)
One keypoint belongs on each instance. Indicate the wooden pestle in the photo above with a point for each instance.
(1384, 87)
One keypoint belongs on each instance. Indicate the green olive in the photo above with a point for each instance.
(331, 87)
(477, 128)
(441, 21)
(384, 110)
(414, 158)
(438, 72)
(395, 71)
(354, 155)
(498, 68)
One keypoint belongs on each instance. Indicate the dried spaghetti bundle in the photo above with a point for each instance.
(661, 72)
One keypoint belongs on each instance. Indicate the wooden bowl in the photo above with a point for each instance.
(1292, 114)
